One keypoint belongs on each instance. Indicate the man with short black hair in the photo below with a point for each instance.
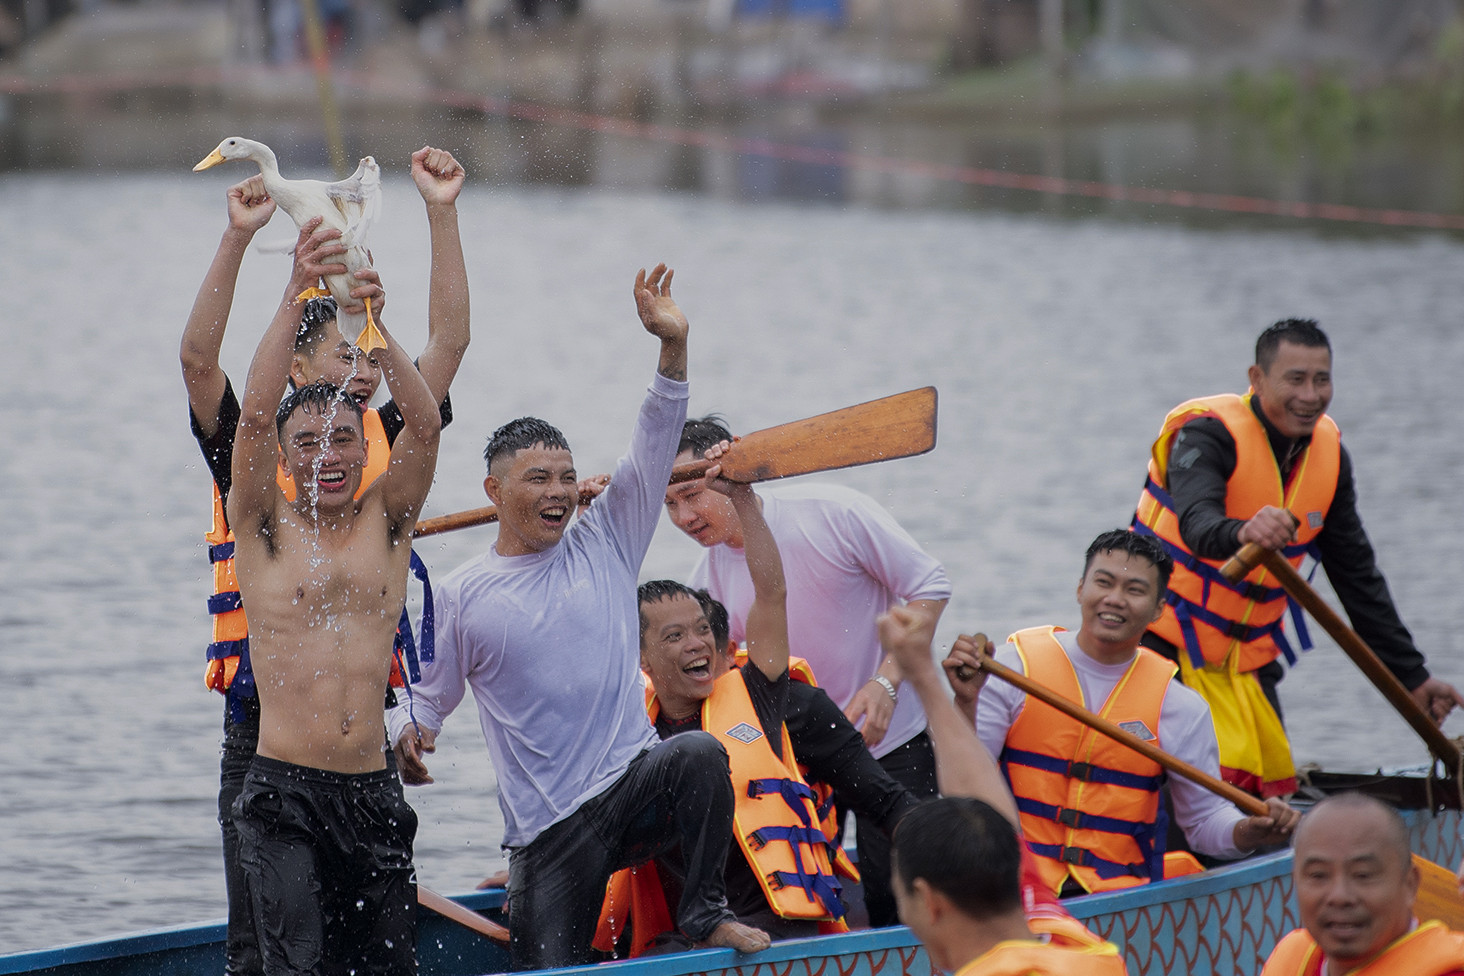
(1268, 467)
(544, 628)
(325, 835)
(1090, 806)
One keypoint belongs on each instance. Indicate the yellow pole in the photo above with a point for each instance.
(320, 60)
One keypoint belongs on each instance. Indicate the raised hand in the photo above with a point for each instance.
(439, 177)
(658, 311)
(250, 207)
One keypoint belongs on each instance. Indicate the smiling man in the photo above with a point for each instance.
(1228, 470)
(544, 628)
(1089, 806)
(1355, 887)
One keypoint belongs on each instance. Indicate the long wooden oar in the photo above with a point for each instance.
(1250, 555)
(1438, 891)
(450, 909)
(896, 426)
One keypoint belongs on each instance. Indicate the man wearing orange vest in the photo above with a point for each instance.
(963, 880)
(1227, 470)
(1090, 808)
(1355, 887)
(321, 353)
(780, 877)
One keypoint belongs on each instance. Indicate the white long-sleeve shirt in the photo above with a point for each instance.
(549, 642)
(1185, 728)
(846, 561)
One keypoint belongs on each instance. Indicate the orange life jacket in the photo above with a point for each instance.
(1207, 614)
(228, 670)
(1089, 806)
(1432, 949)
(775, 821)
(1070, 950)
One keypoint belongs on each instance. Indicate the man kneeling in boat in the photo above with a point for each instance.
(780, 877)
(1090, 808)
(1355, 886)
(325, 835)
(963, 880)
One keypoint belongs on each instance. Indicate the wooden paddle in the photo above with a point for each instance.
(896, 426)
(1438, 890)
(450, 909)
(1251, 555)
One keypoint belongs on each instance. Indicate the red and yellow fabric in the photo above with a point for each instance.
(1432, 949)
(1089, 806)
(228, 653)
(1068, 949)
(775, 821)
(1230, 629)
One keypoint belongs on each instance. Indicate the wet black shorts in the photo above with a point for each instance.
(327, 859)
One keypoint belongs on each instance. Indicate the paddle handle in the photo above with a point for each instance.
(688, 471)
(1251, 555)
(450, 909)
(1179, 767)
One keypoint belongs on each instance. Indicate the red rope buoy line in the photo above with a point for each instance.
(701, 138)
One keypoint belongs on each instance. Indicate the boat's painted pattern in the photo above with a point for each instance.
(1219, 923)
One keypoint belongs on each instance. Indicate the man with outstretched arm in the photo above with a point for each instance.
(1090, 807)
(325, 836)
(966, 884)
(544, 628)
(321, 353)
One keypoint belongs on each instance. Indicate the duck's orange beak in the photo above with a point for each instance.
(212, 159)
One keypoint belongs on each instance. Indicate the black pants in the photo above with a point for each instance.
(240, 739)
(678, 791)
(912, 765)
(327, 858)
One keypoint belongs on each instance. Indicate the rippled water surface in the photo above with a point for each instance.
(1057, 346)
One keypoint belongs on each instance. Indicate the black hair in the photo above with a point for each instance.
(1300, 332)
(318, 397)
(657, 590)
(717, 618)
(700, 433)
(1122, 540)
(517, 435)
(314, 317)
(965, 850)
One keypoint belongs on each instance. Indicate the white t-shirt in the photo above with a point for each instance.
(550, 642)
(1185, 728)
(846, 561)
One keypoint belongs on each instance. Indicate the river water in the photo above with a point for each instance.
(1057, 344)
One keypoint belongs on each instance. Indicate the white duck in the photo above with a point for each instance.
(349, 205)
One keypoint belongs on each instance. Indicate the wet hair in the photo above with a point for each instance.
(701, 433)
(1299, 332)
(717, 618)
(319, 397)
(1396, 830)
(658, 590)
(517, 435)
(963, 849)
(314, 317)
(1122, 540)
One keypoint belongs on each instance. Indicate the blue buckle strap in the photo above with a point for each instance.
(1081, 856)
(1208, 574)
(219, 650)
(220, 552)
(1078, 820)
(821, 888)
(792, 792)
(225, 602)
(1085, 772)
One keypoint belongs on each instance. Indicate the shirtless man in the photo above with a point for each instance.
(325, 836)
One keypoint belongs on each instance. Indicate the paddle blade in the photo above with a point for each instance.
(1438, 894)
(450, 909)
(896, 426)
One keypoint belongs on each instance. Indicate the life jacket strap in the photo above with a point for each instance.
(1086, 772)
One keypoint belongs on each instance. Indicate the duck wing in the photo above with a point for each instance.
(358, 199)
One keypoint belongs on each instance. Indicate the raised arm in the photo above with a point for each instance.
(256, 446)
(408, 476)
(249, 209)
(963, 767)
(662, 318)
(767, 618)
(439, 178)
